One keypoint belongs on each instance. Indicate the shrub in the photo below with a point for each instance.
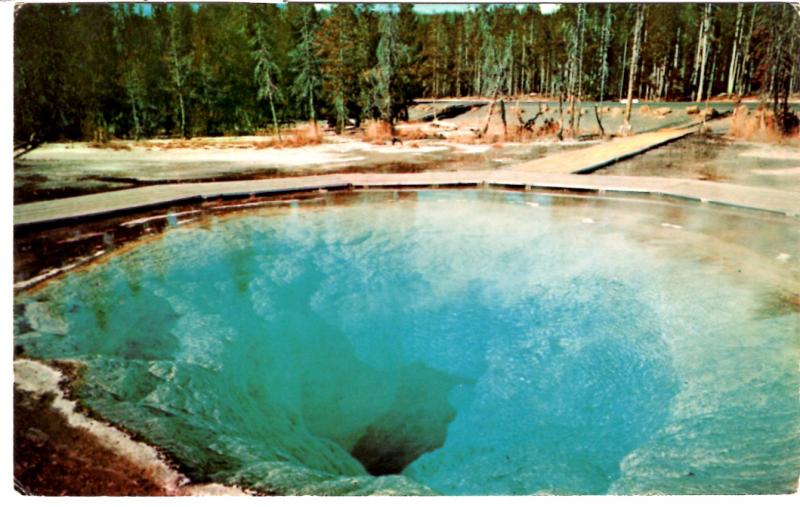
(377, 132)
(761, 125)
(109, 145)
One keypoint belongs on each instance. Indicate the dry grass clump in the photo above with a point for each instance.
(410, 134)
(381, 132)
(173, 144)
(465, 137)
(528, 130)
(645, 110)
(182, 143)
(760, 125)
(302, 135)
(377, 132)
(305, 135)
(310, 133)
(548, 128)
(109, 145)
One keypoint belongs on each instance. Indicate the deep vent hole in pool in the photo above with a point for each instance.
(383, 452)
(415, 424)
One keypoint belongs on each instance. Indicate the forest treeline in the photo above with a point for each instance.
(94, 71)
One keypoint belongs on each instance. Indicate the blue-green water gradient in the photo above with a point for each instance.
(454, 342)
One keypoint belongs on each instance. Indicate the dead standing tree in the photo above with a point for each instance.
(735, 65)
(178, 62)
(637, 37)
(605, 42)
(576, 70)
(782, 58)
(744, 69)
(498, 69)
(704, 47)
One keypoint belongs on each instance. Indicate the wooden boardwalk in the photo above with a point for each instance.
(600, 155)
(108, 203)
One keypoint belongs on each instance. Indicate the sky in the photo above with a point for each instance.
(430, 8)
(427, 8)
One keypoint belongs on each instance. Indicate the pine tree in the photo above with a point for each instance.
(389, 74)
(266, 71)
(179, 60)
(305, 58)
(131, 75)
(93, 71)
(337, 52)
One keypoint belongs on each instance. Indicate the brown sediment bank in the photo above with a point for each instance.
(59, 451)
(52, 458)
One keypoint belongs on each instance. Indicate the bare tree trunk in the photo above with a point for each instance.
(178, 81)
(458, 68)
(624, 63)
(712, 75)
(503, 117)
(178, 78)
(599, 123)
(523, 76)
(746, 54)
(579, 66)
(733, 68)
(698, 52)
(643, 86)
(510, 76)
(137, 127)
(572, 114)
(605, 39)
(633, 64)
(675, 63)
(794, 71)
(560, 133)
(276, 129)
(571, 85)
(704, 57)
(311, 109)
(543, 84)
(183, 114)
(575, 68)
(491, 111)
(530, 74)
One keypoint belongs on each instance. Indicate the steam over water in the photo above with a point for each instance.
(453, 342)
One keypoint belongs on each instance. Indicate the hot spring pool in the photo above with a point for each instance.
(448, 341)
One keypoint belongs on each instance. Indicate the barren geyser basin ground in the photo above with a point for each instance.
(407, 343)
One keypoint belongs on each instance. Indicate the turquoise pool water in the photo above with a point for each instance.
(449, 342)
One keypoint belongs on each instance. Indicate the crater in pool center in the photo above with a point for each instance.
(450, 342)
